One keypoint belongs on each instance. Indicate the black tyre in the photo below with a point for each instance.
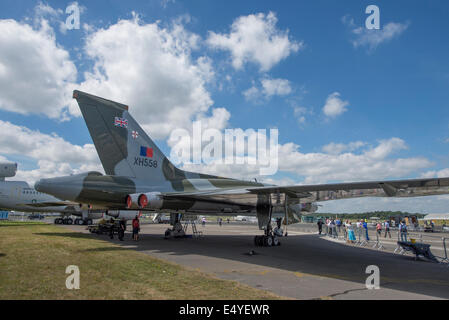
(89, 222)
(168, 234)
(268, 241)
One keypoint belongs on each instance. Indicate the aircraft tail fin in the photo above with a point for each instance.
(122, 145)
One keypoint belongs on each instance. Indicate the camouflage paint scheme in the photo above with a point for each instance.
(127, 173)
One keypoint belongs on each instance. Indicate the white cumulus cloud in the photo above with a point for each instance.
(151, 69)
(372, 38)
(255, 38)
(36, 74)
(334, 106)
(54, 155)
(269, 88)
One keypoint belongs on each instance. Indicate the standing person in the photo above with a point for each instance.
(220, 221)
(365, 226)
(351, 235)
(320, 226)
(403, 231)
(345, 229)
(387, 228)
(359, 228)
(379, 229)
(338, 224)
(334, 229)
(122, 228)
(136, 228)
(203, 221)
(111, 228)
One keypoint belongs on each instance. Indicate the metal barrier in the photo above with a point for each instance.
(378, 243)
(398, 247)
(363, 242)
(381, 245)
(445, 259)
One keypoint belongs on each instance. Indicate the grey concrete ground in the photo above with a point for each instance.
(305, 266)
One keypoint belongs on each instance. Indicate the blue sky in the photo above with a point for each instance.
(388, 88)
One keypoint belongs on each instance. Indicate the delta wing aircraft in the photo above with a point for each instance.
(18, 196)
(139, 177)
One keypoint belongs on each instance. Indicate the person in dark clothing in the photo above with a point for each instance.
(122, 228)
(111, 228)
(320, 226)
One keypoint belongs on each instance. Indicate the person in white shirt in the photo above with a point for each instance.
(387, 229)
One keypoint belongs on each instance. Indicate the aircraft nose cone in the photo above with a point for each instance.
(40, 185)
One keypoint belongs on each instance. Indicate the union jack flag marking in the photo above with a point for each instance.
(121, 122)
(135, 134)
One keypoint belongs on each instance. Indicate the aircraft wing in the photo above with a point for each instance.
(324, 192)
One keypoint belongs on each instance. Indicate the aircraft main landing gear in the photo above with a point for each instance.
(177, 231)
(266, 241)
(81, 222)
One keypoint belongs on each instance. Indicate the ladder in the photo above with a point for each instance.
(196, 233)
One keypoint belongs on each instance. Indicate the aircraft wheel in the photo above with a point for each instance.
(69, 221)
(168, 234)
(89, 222)
(276, 241)
(268, 241)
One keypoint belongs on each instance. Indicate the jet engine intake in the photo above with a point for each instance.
(149, 200)
(131, 200)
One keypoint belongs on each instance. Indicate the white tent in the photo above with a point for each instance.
(436, 216)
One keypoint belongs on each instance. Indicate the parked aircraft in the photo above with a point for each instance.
(19, 196)
(140, 177)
